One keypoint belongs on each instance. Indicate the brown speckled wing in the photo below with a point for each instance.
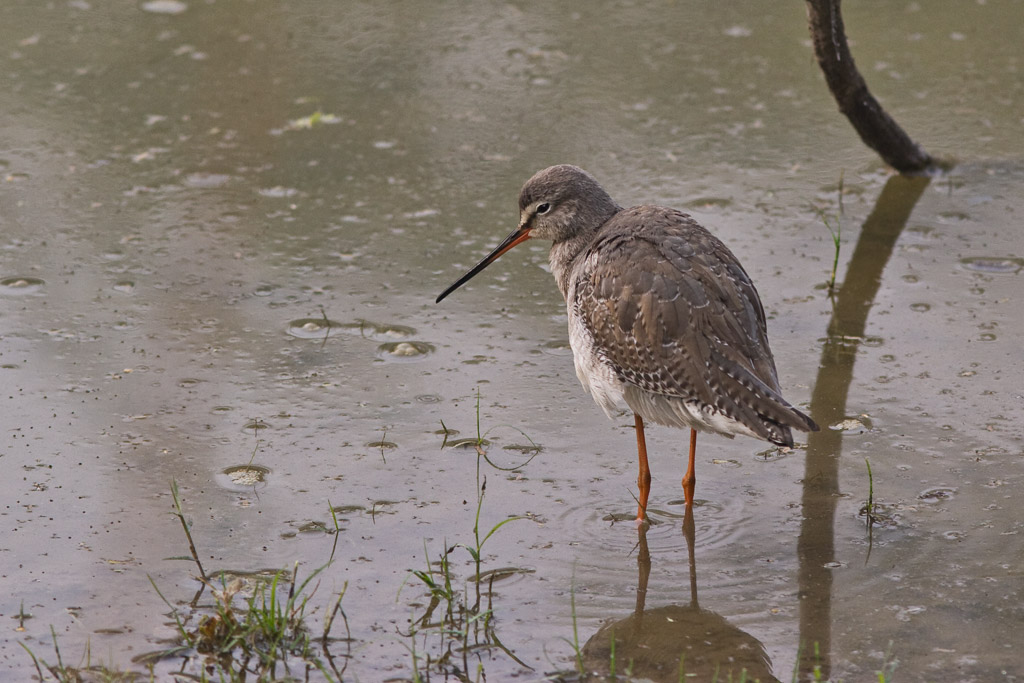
(674, 313)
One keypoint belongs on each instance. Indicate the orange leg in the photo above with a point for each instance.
(690, 479)
(643, 479)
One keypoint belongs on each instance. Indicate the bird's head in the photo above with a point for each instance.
(559, 203)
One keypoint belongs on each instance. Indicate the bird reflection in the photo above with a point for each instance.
(663, 643)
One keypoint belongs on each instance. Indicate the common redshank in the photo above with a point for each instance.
(663, 320)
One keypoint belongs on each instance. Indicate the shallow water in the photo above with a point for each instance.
(197, 271)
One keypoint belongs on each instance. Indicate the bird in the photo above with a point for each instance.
(663, 320)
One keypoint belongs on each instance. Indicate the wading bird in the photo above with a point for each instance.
(663, 320)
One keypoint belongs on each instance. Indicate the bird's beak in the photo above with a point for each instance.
(517, 236)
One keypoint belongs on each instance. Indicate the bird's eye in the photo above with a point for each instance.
(543, 208)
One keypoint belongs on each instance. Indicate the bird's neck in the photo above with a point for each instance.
(563, 257)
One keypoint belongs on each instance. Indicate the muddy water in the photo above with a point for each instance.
(198, 271)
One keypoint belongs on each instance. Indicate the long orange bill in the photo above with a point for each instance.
(520, 234)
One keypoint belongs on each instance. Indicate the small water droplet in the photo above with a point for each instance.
(404, 351)
(996, 265)
(255, 425)
(428, 398)
(387, 445)
(124, 286)
(911, 278)
(737, 31)
(987, 336)
(206, 180)
(21, 285)
(164, 6)
(188, 382)
(278, 192)
(920, 307)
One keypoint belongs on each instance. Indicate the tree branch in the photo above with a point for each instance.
(876, 128)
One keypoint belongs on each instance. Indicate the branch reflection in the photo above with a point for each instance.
(816, 545)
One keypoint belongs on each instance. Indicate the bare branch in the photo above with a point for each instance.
(876, 128)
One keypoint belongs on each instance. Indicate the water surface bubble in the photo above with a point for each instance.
(124, 286)
(730, 463)
(936, 494)
(311, 328)
(243, 477)
(994, 265)
(404, 351)
(376, 331)
(255, 425)
(883, 515)
(21, 285)
(858, 425)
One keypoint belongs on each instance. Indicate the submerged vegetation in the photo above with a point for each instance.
(270, 625)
